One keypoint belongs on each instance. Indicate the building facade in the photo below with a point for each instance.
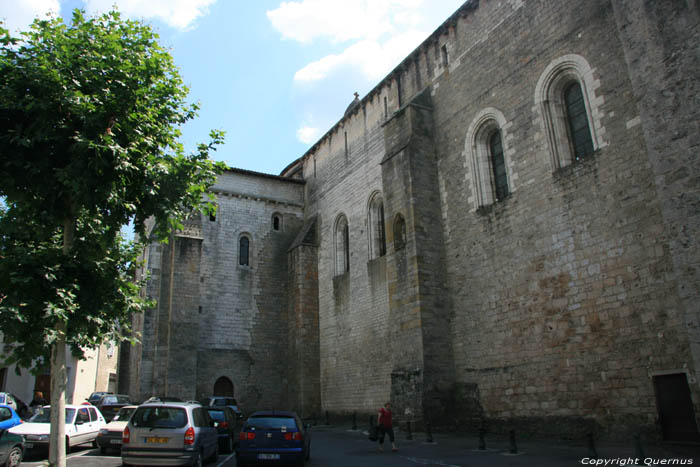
(503, 231)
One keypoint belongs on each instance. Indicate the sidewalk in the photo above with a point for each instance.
(461, 449)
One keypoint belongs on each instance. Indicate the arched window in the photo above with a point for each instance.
(376, 230)
(244, 251)
(276, 222)
(489, 158)
(569, 111)
(399, 232)
(342, 245)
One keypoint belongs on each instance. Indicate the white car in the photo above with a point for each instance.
(83, 424)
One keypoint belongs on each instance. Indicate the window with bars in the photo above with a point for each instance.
(577, 120)
(498, 166)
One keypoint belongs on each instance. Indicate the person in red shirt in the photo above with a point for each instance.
(385, 427)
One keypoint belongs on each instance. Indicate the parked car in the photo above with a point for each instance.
(163, 399)
(273, 436)
(221, 401)
(11, 449)
(83, 424)
(8, 417)
(15, 402)
(111, 435)
(225, 419)
(172, 433)
(110, 404)
(96, 396)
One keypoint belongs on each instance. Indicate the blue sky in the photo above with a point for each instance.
(274, 75)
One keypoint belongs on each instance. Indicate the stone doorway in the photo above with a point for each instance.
(675, 408)
(223, 387)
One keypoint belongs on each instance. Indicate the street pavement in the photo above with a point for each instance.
(340, 446)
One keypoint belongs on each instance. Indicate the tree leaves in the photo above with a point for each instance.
(89, 117)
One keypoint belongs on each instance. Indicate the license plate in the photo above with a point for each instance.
(28, 445)
(156, 440)
(268, 456)
(115, 441)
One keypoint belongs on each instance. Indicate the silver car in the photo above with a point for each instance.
(169, 433)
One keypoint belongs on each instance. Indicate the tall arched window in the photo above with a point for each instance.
(570, 115)
(376, 229)
(342, 245)
(244, 251)
(489, 158)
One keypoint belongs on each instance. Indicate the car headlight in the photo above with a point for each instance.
(38, 437)
(104, 431)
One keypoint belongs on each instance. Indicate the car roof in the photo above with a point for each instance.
(170, 404)
(273, 413)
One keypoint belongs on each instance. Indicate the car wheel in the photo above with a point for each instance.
(14, 458)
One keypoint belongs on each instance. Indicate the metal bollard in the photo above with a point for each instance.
(638, 449)
(482, 441)
(513, 446)
(429, 433)
(354, 421)
(592, 453)
(409, 434)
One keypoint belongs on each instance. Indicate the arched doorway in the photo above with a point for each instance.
(223, 387)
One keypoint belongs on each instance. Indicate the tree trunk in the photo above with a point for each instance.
(57, 440)
(57, 436)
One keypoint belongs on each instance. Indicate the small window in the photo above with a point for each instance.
(93, 414)
(445, 58)
(243, 251)
(342, 245)
(376, 230)
(276, 222)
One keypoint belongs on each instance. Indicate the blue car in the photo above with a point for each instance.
(273, 437)
(8, 417)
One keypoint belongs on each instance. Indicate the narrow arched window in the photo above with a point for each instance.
(577, 120)
(243, 251)
(498, 166)
(399, 232)
(276, 222)
(342, 245)
(376, 230)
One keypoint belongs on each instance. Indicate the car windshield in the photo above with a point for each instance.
(217, 415)
(44, 416)
(106, 400)
(124, 414)
(159, 417)
(271, 423)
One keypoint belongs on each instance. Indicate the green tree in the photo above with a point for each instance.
(89, 125)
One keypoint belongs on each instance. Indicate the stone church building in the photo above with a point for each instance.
(503, 231)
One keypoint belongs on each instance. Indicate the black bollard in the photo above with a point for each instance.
(482, 441)
(328, 421)
(429, 433)
(638, 450)
(513, 446)
(354, 421)
(592, 453)
(409, 434)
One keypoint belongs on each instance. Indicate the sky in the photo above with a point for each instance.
(275, 76)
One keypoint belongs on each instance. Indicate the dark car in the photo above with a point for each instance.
(96, 396)
(110, 404)
(225, 419)
(277, 437)
(11, 448)
(223, 401)
(110, 436)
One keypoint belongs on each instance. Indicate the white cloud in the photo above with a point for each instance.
(179, 14)
(19, 14)
(307, 134)
(338, 20)
(372, 58)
